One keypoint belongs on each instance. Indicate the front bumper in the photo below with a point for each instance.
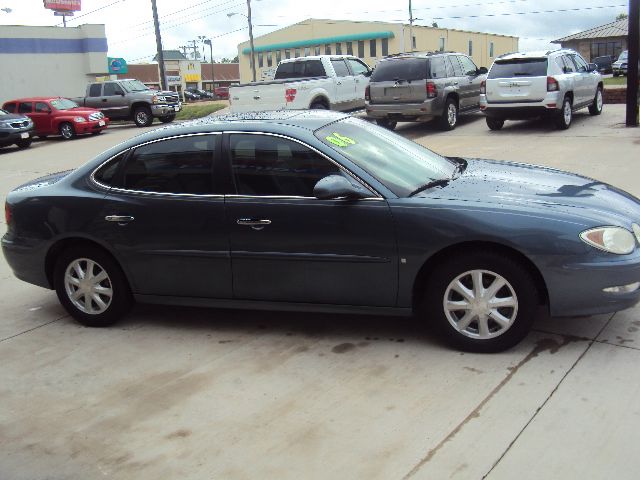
(619, 70)
(14, 135)
(91, 126)
(551, 105)
(163, 110)
(405, 111)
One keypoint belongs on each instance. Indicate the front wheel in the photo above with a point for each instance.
(167, 118)
(596, 107)
(449, 118)
(495, 123)
(22, 144)
(563, 120)
(481, 301)
(67, 131)
(386, 123)
(91, 286)
(142, 117)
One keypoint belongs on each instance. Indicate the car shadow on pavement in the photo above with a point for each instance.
(413, 130)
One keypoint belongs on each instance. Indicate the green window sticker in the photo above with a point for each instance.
(340, 140)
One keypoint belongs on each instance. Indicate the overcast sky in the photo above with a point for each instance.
(130, 28)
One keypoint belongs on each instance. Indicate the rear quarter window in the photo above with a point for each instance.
(520, 67)
(308, 68)
(408, 69)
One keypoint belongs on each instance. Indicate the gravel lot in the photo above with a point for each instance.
(203, 394)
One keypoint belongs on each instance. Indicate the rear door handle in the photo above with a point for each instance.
(104, 99)
(121, 219)
(255, 223)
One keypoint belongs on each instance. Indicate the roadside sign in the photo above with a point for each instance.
(63, 14)
(117, 65)
(63, 5)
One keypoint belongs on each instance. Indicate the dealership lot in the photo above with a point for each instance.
(195, 393)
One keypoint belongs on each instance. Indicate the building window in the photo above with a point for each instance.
(470, 47)
(287, 54)
(269, 59)
(278, 56)
(327, 49)
(441, 45)
(413, 42)
(297, 52)
(384, 46)
(372, 48)
(307, 51)
(338, 49)
(317, 50)
(260, 60)
(361, 49)
(349, 48)
(599, 49)
(491, 49)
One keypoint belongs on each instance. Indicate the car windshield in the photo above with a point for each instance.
(401, 165)
(624, 55)
(3, 112)
(63, 104)
(134, 86)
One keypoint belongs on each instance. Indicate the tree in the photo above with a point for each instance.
(229, 60)
(622, 16)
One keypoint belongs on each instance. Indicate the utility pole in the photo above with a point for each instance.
(633, 63)
(410, 26)
(156, 24)
(253, 54)
(194, 47)
(184, 50)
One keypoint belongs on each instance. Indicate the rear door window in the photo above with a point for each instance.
(407, 69)
(438, 67)
(519, 67)
(25, 107)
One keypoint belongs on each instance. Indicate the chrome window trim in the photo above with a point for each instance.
(377, 195)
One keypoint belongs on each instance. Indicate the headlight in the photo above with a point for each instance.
(610, 239)
(158, 99)
(79, 119)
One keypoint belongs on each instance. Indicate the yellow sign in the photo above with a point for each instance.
(192, 77)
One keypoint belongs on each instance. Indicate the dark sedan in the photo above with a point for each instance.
(320, 211)
(15, 129)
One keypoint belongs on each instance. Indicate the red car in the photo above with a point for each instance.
(58, 116)
(222, 92)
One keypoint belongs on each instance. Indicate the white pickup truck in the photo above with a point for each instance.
(331, 82)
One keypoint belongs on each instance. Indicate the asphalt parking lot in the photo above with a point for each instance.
(203, 394)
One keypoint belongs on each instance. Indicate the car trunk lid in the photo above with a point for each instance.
(517, 80)
(400, 80)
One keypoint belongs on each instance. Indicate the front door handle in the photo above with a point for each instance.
(120, 219)
(254, 223)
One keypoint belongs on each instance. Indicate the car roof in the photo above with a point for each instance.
(33, 99)
(534, 54)
(401, 56)
(315, 57)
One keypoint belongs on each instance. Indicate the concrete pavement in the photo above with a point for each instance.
(203, 394)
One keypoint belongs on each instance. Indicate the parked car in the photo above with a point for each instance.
(282, 216)
(131, 100)
(15, 130)
(205, 94)
(620, 65)
(59, 116)
(551, 84)
(199, 94)
(604, 63)
(421, 87)
(329, 82)
(189, 95)
(222, 92)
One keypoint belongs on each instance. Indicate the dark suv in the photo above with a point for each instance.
(424, 86)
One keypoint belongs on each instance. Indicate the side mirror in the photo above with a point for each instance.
(368, 73)
(336, 186)
(482, 71)
(592, 67)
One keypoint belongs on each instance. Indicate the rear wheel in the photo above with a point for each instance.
(67, 131)
(449, 118)
(167, 118)
(386, 123)
(495, 123)
(91, 286)
(481, 301)
(596, 107)
(319, 106)
(142, 116)
(24, 143)
(563, 120)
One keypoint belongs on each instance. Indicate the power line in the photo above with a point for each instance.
(92, 11)
(508, 14)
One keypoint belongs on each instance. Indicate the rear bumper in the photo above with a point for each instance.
(426, 110)
(551, 105)
(27, 261)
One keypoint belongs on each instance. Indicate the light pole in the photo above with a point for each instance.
(248, 17)
(207, 41)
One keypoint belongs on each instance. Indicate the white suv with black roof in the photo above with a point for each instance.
(553, 84)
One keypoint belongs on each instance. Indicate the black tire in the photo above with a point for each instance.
(167, 118)
(142, 116)
(564, 118)
(386, 123)
(67, 131)
(495, 123)
(97, 132)
(449, 118)
(22, 144)
(615, 74)
(319, 106)
(43, 137)
(121, 300)
(596, 107)
(520, 285)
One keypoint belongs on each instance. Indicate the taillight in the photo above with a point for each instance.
(367, 93)
(432, 91)
(483, 87)
(7, 213)
(290, 94)
(552, 85)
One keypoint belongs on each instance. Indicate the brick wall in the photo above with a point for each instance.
(615, 95)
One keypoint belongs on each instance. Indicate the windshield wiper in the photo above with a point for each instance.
(442, 182)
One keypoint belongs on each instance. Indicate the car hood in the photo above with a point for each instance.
(13, 117)
(539, 188)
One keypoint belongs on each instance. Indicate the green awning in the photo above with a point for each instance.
(320, 41)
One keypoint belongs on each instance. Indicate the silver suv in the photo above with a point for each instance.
(422, 86)
(553, 84)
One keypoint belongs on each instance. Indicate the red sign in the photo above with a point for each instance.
(63, 5)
